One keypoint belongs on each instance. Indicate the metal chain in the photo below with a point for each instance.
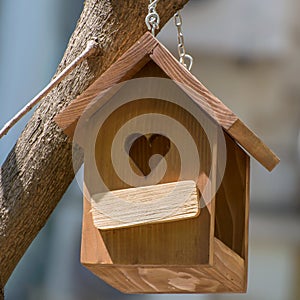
(152, 19)
(183, 56)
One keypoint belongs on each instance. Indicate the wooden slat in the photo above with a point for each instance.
(137, 206)
(225, 276)
(231, 198)
(92, 249)
(247, 215)
(254, 145)
(230, 266)
(191, 85)
(123, 69)
(161, 279)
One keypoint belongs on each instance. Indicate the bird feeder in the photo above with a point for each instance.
(165, 228)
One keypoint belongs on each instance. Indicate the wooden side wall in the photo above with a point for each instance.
(232, 200)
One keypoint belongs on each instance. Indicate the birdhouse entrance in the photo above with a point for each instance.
(144, 147)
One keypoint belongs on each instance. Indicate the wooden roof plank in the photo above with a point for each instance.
(193, 87)
(254, 145)
(123, 69)
(217, 110)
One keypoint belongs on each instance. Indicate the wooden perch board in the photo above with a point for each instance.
(145, 205)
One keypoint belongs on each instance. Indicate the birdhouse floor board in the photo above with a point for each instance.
(226, 275)
(138, 206)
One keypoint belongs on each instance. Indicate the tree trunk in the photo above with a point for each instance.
(39, 168)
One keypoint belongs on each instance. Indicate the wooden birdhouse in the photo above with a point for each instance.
(166, 178)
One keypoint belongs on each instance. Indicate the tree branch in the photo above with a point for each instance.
(39, 168)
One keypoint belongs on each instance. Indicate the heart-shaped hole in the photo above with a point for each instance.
(142, 147)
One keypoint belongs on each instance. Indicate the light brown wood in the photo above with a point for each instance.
(226, 275)
(191, 85)
(146, 244)
(173, 257)
(149, 145)
(254, 145)
(149, 48)
(138, 206)
(232, 200)
(160, 279)
(230, 266)
(215, 108)
(93, 249)
(155, 244)
(39, 169)
(247, 215)
(124, 68)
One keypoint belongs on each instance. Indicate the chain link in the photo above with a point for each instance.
(183, 56)
(152, 19)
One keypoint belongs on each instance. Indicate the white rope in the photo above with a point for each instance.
(91, 48)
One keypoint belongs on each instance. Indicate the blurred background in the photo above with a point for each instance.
(248, 54)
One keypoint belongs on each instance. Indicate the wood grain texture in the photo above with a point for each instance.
(140, 205)
(155, 244)
(191, 85)
(225, 276)
(232, 199)
(93, 249)
(114, 182)
(214, 107)
(178, 257)
(230, 266)
(254, 145)
(39, 169)
(124, 68)
(247, 216)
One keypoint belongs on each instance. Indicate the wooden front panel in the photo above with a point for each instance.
(175, 243)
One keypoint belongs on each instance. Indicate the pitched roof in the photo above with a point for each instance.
(149, 48)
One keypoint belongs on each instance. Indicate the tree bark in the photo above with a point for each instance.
(1, 293)
(39, 168)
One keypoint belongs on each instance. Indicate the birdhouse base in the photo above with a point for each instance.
(204, 254)
(117, 257)
(225, 275)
